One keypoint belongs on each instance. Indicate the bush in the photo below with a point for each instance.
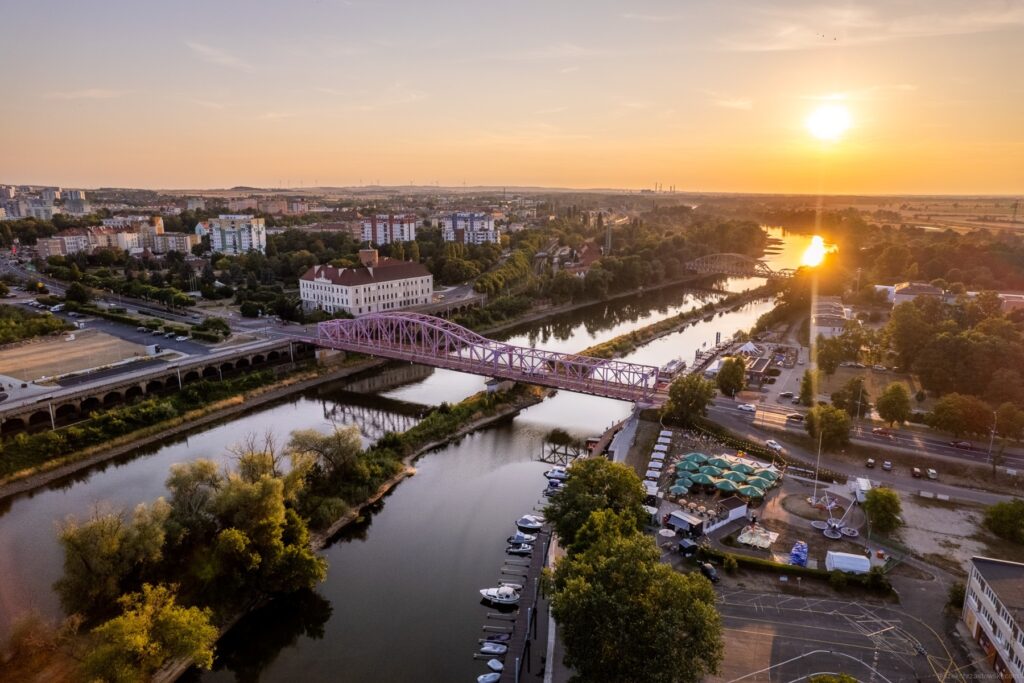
(955, 597)
(730, 565)
(920, 395)
(1006, 520)
(837, 580)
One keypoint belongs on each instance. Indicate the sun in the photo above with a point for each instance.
(815, 252)
(828, 122)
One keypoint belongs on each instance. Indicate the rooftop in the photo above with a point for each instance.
(917, 288)
(1007, 580)
(386, 270)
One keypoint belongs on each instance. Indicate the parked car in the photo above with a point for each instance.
(169, 335)
(964, 445)
(932, 474)
(142, 329)
(748, 407)
(879, 368)
(870, 464)
(882, 432)
(786, 394)
(795, 417)
(916, 473)
(181, 337)
(774, 445)
(887, 465)
(796, 400)
(156, 333)
(709, 572)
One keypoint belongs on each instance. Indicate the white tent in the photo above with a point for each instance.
(749, 349)
(665, 432)
(657, 456)
(660, 448)
(655, 465)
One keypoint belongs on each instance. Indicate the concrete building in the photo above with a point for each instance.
(7, 192)
(993, 613)
(195, 204)
(175, 241)
(236, 204)
(829, 318)
(386, 228)
(50, 195)
(379, 284)
(1011, 302)
(235, 234)
(470, 228)
(908, 291)
(40, 211)
(272, 206)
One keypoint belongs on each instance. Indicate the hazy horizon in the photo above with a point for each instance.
(585, 96)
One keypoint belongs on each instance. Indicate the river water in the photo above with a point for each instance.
(399, 602)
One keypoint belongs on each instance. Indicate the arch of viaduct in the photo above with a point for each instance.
(66, 405)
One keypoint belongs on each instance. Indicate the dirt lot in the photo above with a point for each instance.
(875, 383)
(90, 348)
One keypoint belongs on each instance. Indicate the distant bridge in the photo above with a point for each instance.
(738, 265)
(439, 343)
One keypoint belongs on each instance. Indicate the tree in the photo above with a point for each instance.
(831, 424)
(336, 452)
(79, 293)
(894, 404)
(1006, 520)
(853, 398)
(152, 630)
(961, 414)
(595, 484)
(883, 509)
(1010, 421)
(688, 398)
(831, 352)
(808, 382)
(732, 376)
(102, 553)
(625, 616)
(909, 332)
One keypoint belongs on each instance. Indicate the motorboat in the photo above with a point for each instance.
(502, 595)
(493, 649)
(492, 677)
(520, 549)
(557, 472)
(530, 523)
(513, 586)
(519, 537)
(499, 637)
(495, 665)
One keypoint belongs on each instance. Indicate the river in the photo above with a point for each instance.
(399, 602)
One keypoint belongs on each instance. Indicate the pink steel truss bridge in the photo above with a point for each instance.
(736, 264)
(437, 342)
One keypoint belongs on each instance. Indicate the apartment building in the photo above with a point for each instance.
(379, 284)
(236, 204)
(994, 614)
(235, 234)
(386, 228)
(470, 228)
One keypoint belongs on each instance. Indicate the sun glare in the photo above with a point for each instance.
(815, 252)
(828, 122)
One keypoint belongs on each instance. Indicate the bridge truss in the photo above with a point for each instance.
(739, 265)
(433, 341)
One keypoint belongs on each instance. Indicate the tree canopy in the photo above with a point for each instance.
(893, 405)
(688, 398)
(732, 376)
(883, 508)
(832, 424)
(1006, 520)
(595, 484)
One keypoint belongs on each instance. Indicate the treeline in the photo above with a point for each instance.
(16, 324)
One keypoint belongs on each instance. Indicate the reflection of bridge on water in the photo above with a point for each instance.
(374, 415)
(392, 376)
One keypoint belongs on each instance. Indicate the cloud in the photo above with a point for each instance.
(215, 55)
(803, 25)
(86, 94)
(652, 18)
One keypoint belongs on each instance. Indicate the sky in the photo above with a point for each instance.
(703, 95)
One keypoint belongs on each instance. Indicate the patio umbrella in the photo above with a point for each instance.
(696, 457)
(713, 471)
(688, 466)
(701, 478)
(726, 485)
(684, 481)
(720, 462)
(735, 477)
(677, 490)
(759, 483)
(742, 467)
(766, 474)
(750, 491)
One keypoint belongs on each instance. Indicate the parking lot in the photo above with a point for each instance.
(781, 637)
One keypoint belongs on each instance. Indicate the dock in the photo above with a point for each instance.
(527, 654)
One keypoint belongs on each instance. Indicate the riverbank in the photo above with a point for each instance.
(27, 480)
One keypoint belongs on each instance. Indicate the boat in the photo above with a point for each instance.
(520, 549)
(502, 595)
(530, 523)
(493, 649)
(495, 665)
(558, 473)
(488, 678)
(513, 586)
(519, 537)
(499, 637)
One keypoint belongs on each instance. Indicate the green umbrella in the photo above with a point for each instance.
(710, 469)
(688, 466)
(726, 485)
(720, 462)
(684, 481)
(766, 474)
(701, 478)
(678, 490)
(742, 467)
(696, 457)
(736, 477)
(759, 483)
(750, 492)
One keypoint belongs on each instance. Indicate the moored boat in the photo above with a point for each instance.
(501, 595)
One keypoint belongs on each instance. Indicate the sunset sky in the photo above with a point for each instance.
(701, 94)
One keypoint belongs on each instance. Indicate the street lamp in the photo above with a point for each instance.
(992, 437)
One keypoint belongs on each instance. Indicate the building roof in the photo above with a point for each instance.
(1007, 580)
(732, 503)
(386, 270)
(917, 288)
(828, 321)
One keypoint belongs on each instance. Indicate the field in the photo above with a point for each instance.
(875, 383)
(56, 356)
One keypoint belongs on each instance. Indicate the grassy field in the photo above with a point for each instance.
(875, 383)
(56, 356)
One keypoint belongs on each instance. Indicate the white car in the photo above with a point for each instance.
(748, 407)
(181, 337)
(774, 445)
